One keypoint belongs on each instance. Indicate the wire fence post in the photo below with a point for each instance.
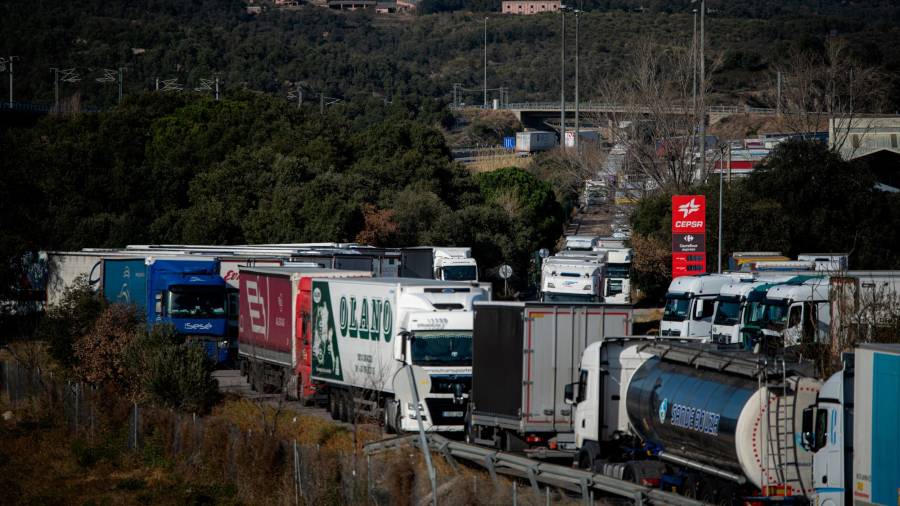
(515, 495)
(296, 475)
(369, 475)
(136, 415)
(547, 493)
(76, 406)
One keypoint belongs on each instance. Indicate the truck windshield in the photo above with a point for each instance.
(460, 273)
(196, 302)
(452, 347)
(770, 315)
(568, 297)
(728, 312)
(676, 308)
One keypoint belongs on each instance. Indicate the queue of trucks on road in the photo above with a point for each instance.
(702, 408)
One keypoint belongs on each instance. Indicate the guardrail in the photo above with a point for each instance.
(537, 472)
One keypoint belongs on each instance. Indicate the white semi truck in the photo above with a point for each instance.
(617, 282)
(365, 330)
(572, 279)
(852, 430)
(445, 263)
(690, 305)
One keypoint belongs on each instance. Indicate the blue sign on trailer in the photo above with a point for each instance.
(509, 143)
(125, 281)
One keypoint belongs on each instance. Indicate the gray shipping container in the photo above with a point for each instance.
(535, 140)
(524, 354)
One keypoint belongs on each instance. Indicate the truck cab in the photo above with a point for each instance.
(792, 313)
(455, 264)
(616, 288)
(581, 242)
(731, 304)
(572, 279)
(190, 295)
(690, 305)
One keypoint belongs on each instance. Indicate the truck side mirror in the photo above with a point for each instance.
(698, 309)
(569, 393)
(158, 302)
(808, 439)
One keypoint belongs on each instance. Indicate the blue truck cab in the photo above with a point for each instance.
(187, 293)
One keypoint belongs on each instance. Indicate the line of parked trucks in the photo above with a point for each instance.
(691, 412)
(196, 287)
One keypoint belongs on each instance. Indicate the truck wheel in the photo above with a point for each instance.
(588, 456)
(388, 418)
(333, 405)
(346, 401)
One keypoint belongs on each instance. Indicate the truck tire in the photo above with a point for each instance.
(346, 400)
(333, 404)
(389, 418)
(588, 456)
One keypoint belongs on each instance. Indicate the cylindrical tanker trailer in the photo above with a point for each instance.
(701, 421)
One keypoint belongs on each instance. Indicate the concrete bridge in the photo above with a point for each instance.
(539, 114)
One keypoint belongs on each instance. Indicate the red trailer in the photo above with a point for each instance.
(274, 345)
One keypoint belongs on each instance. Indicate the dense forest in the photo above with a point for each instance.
(354, 55)
(186, 169)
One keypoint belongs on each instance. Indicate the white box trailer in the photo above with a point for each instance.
(365, 331)
(525, 353)
(64, 267)
(535, 140)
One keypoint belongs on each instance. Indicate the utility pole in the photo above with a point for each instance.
(778, 106)
(10, 61)
(577, 126)
(562, 81)
(157, 84)
(321, 103)
(121, 83)
(217, 88)
(55, 88)
(721, 171)
(702, 88)
(694, 65)
(485, 63)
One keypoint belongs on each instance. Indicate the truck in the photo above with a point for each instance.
(790, 313)
(524, 354)
(721, 427)
(745, 260)
(617, 282)
(690, 305)
(572, 279)
(738, 298)
(365, 331)
(581, 242)
(444, 263)
(185, 292)
(274, 336)
(830, 262)
(532, 141)
(851, 429)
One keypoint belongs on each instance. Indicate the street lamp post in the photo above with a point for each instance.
(485, 63)
(702, 88)
(562, 80)
(577, 126)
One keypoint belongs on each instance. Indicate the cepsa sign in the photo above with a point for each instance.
(688, 235)
(688, 214)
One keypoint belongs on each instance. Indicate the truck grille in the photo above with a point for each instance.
(671, 333)
(445, 411)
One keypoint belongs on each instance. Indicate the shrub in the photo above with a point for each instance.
(170, 373)
(66, 322)
(100, 354)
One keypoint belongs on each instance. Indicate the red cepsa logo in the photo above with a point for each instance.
(688, 214)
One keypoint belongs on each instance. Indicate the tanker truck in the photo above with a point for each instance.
(364, 331)
(721, 427)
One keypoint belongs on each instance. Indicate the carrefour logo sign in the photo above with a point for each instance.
(365, 318)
